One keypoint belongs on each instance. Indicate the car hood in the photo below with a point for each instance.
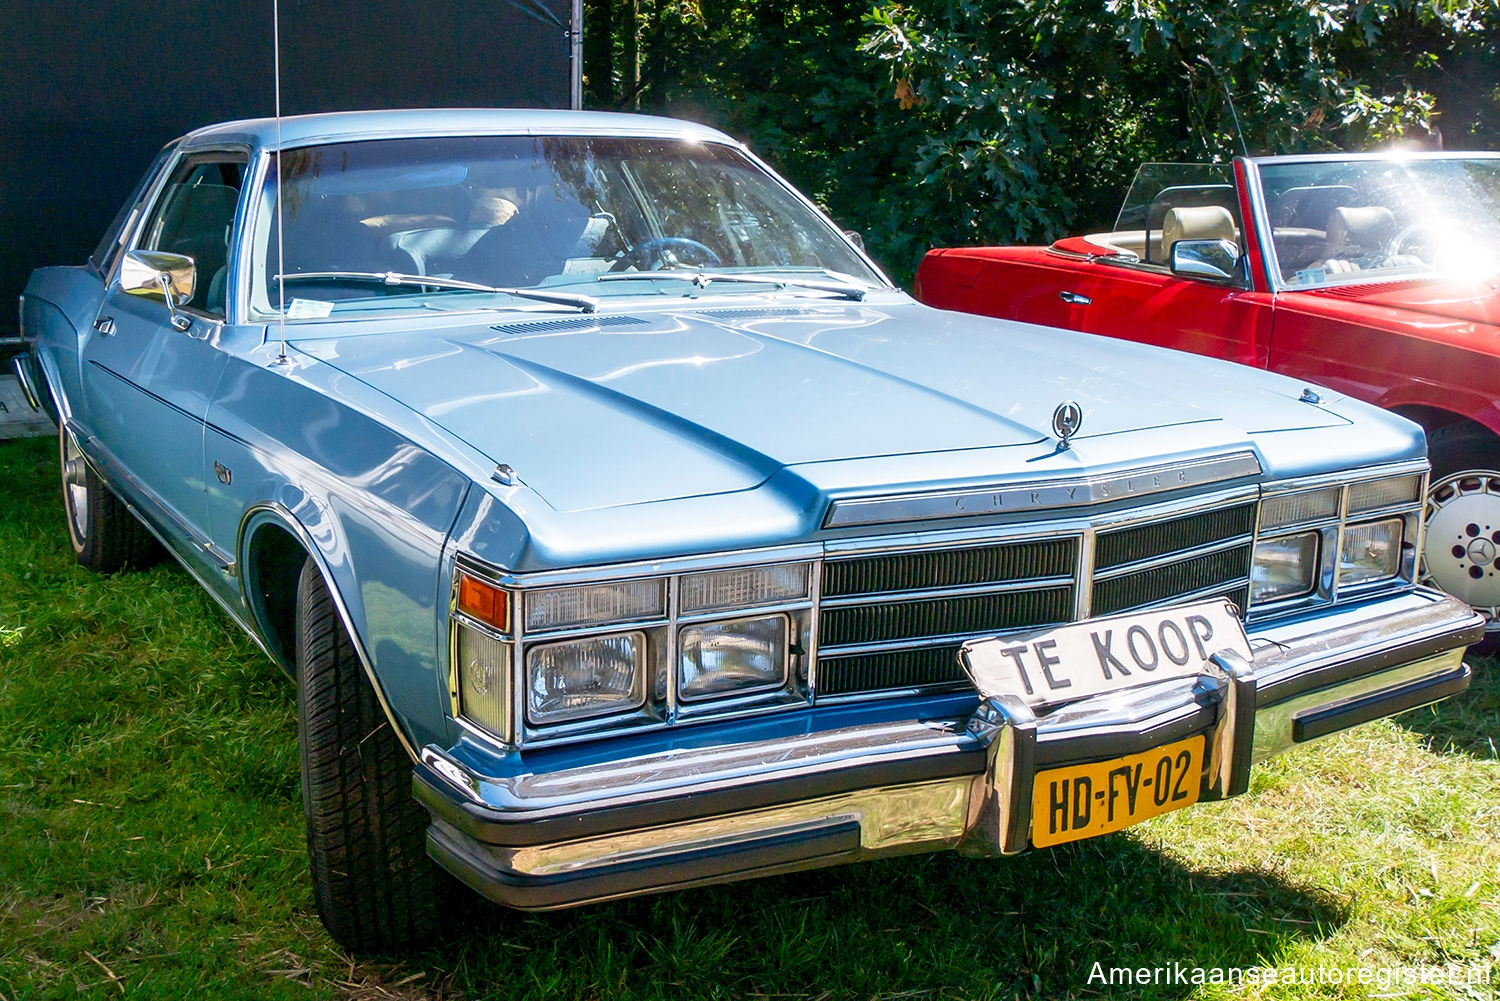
(623, 408)
(1469, 301)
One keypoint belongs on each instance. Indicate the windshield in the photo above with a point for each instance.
(526, 213)
(1355, 221)
(1158, 187)
(1159, 190)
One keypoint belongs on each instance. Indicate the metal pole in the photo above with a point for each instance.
(575, 57)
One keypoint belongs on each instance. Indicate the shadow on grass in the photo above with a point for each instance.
(1468, 723)
(923, 926)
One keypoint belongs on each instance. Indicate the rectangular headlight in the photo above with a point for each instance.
(595, 604)
(579, 678)
(1284, 568)
(1371, 551)
(730, 658)
(1297, 508)
(703, 592)
(483, 670)
(1385, 493)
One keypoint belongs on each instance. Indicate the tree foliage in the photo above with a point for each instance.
(939, 122)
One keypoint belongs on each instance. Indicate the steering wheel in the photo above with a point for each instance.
(1396, 245)
(667, 252)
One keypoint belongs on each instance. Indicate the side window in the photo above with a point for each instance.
(194, 215)
(113, 242)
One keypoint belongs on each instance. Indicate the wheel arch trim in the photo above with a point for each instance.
(273, 514)
(1415, 404)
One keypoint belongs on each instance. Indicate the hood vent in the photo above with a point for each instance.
(568, 325)
(760, 312)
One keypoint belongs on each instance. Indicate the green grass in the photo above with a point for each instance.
(151, 846)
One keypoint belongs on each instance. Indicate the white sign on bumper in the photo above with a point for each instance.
(1070, 662)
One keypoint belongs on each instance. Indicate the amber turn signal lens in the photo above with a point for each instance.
(484, 602)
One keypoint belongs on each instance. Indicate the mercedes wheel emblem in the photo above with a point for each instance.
(1066, 420)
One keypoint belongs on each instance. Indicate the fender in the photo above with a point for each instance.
(269, 513)
(1460, 401)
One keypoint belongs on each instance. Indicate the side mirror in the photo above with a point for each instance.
(155, 273)
(1215, 260)
(855, 237)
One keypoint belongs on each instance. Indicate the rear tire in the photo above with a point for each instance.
(1461, 554)
(374, 885)
(106, 537)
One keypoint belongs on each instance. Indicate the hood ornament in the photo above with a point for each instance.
(1066, 420)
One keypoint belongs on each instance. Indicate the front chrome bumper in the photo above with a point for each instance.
(706, 814)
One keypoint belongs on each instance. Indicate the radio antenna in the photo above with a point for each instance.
(1239, 133)
(281, 358)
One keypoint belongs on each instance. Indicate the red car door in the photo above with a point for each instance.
(1152, 305)
(1030, 284)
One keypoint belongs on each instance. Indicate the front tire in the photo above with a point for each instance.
(1462, 550)
(374, 885)
(106, 537)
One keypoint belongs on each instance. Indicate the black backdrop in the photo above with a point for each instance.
(89, 91)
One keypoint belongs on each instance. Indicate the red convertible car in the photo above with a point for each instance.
(1374, 275)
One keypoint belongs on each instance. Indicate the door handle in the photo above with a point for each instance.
(1074, 298)
(104, 324)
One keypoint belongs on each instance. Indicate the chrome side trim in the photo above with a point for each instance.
(112, 473)
(1061, 492)
(23, 376)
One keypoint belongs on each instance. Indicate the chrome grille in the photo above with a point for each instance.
(894, 621)
(1200, 575)
(950, 567)
(1142, 542)
(921, 668)
(966, 615)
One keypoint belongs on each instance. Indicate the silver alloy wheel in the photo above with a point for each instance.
(75, 489)
(1462, 551)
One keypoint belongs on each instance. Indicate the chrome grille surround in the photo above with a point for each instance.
(1204, 542)
(872, 643)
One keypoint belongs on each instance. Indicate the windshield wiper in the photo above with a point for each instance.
(584, 302)
(702, 279)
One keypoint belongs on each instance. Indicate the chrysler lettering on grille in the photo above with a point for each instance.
(1063, 492)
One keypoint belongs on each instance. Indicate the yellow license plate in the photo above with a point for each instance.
(1083, 801)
